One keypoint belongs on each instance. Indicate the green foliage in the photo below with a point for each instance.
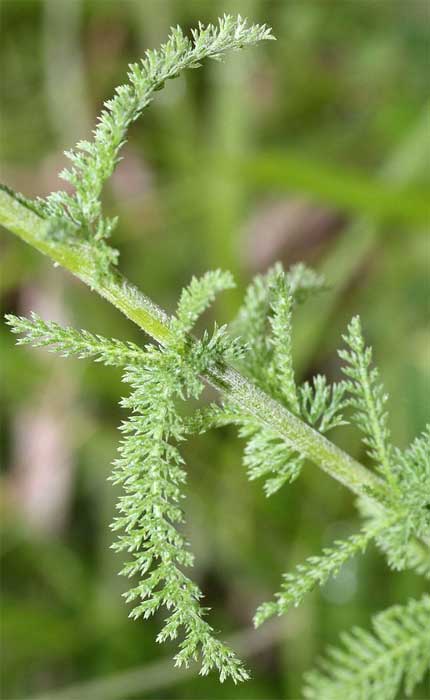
(265, 323)
(93, 162)
(267, 455)
(79, 216)
(198, 296)
(303, 282)
(151, 472)
(68, 341)
(150, 467)
(412, 500)
(406, 474)
(368, 399)
(402, 646)
(314, 572)
(372, 666)
(266, 307)
(405, 485)
(321, 405)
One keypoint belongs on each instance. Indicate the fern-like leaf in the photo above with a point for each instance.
(368, 399)
(281, 367)
(267, 294)
(251, 324)
(68, 341)
(93, 162)
(321, 405)
(314, 572)
(412, 469)
(374, 666)
(150, 469)
(265, 324)
(199, 295)
(267, 455)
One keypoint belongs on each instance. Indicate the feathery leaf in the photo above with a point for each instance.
(321, 404)
(412, 469)
(281, 370)
(150, 469)
(303, 282)
(374, 666)
(68, 341)
(267, 455)
(264, 296)
(93, 162)
(368, 399)
(314, 572)
(199, 295)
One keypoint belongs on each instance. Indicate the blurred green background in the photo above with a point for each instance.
(314, 147)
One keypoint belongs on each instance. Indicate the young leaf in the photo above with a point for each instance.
(281, 367)
(199, 295)
(314, 572)
(93, 162)
(273, 294)
(368, 399)
(266, 455)
(321, 404)
(150, 469)
(398, 542)
(68, 341)
(374, 666)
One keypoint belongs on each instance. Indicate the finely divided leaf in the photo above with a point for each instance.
(374, 666)
(151, 471)
(199, 295)
(314, 572)
(368, 399)
(93, 162)
(266, 455)
(281, 370)
(321, 404)
(69, 341)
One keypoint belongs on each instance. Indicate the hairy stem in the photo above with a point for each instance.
(31, 228)
(36, 231)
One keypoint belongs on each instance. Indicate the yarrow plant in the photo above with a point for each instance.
(283, 423)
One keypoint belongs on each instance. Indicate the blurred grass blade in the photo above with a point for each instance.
(343, 188)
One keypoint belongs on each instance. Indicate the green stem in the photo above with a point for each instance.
(298, 434)
(32, 229)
